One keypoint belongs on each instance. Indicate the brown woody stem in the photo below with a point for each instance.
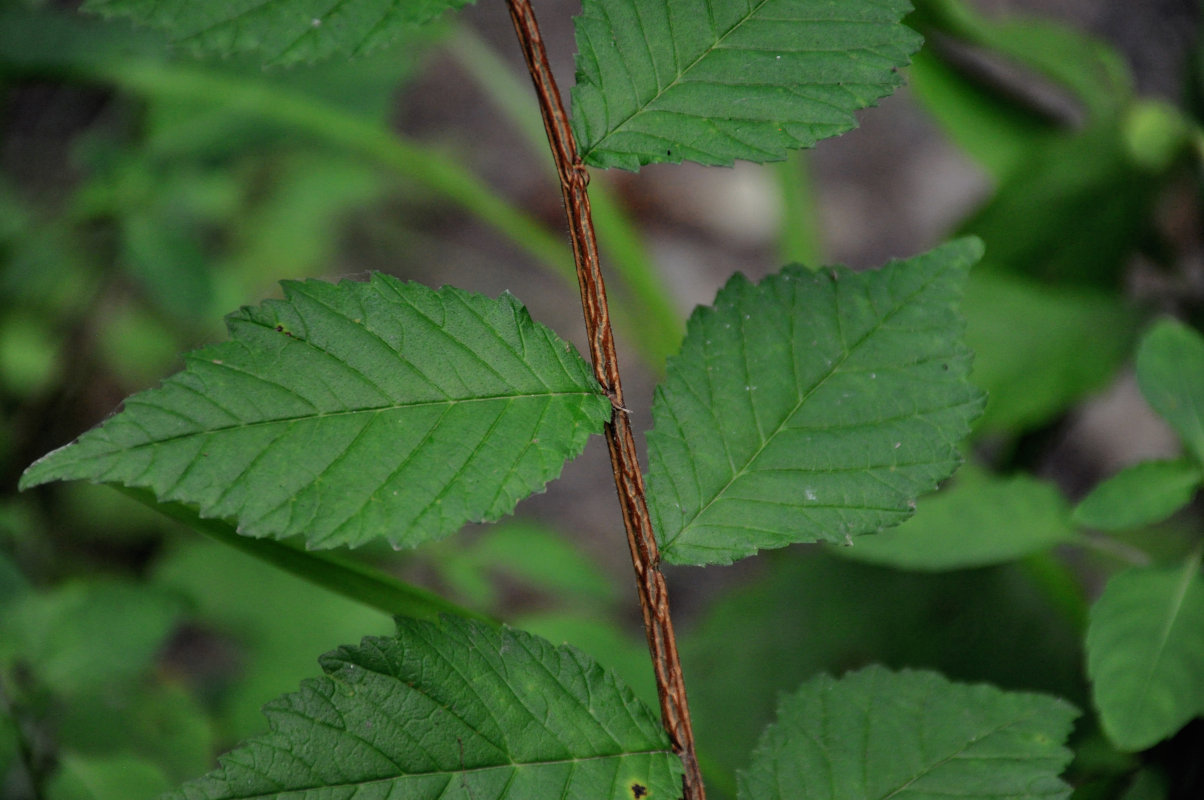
(645, 557)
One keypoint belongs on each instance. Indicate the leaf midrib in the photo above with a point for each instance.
(681, 73)
(1175, 608)
(931, 767)
(451, 774)
(837, 363)
(348, 412)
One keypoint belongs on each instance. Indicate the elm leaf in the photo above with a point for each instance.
(353, 412)
(910, 735)
(1145, 653)
(811, 407)
(458, 709)
(714, 82)
(283, 31)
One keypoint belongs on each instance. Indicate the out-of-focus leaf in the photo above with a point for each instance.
(276, 621)
(1072, 212)
(85, 635)
(13, 585)
(539, 558)
(116, 777)
(877, 734)
(1157, 133)
(1140, 495)
(29, 354)
(296, 231)
(162, 722)
(137, 347)
(712, 83)
(353, 412)
(976, 522)
(992, 128)
(1145, 653)
(1096, 74)
(454, 709)
(810, 612)
(282, 32)
(1170, 372)
(163, 255)
(811, 407)
(1147, 784)
(1038, 350)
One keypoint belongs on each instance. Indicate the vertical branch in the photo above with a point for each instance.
(629, 481)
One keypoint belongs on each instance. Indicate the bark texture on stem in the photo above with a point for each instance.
(629, 481)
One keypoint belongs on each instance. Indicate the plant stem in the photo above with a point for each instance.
(653, 320)
(629, 481)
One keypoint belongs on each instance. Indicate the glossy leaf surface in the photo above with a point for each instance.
(811, 407)
(910, 735)
(458, 709)
(714, 82)
(353, 412)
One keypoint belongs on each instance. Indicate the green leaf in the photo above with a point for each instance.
(992, 127)
(1039, 349)
(454, 710)
(714, 82)
(621, 649)
(1095, 73)
(85, 636)
(162, 721)
(285, 31)
(537, 558)
(115, 777)
(978, 521)
(876, 734)
(352, 412)
(355, 581)
(812, 612)
(273, 620)
(1170, 372)
(811, 407)
(1139, 495)
(1072, 212)
(1145, 653)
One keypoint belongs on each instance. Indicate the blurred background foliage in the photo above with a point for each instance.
(145, 194)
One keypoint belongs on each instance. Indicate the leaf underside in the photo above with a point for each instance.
(352, 412)
(282, 31)
(910, 735)
(811, 407)
(453, 710)
(1145, 645)
(714, 82)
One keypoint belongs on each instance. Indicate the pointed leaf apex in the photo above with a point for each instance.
(812, 406)
(713, 83)
(352, 412)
